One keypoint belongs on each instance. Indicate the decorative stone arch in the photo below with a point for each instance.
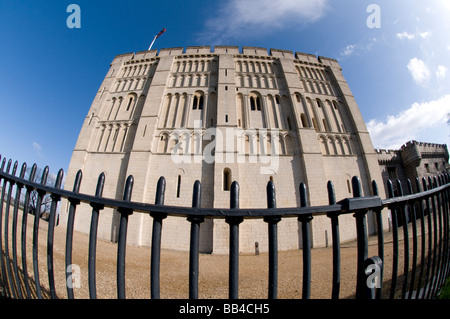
(255, 101)
(323, 144)
(348, 145)
(198, 100)
(130, 101)
(163, 142)
(289, 144)
(196, 142)
(340, 145)
(331, 145)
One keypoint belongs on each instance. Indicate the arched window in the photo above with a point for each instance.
(226, 179)
(304, 120)
(255, 103)
(289, 123)
(162, 143)
(200, 103)
(197, 103)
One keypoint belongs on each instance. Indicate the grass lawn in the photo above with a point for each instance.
(445, 293)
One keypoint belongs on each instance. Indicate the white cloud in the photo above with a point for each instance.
(441, 72)
(419, 71)
(358, 48)
(249, 16)
(405, 35)
(408, 125)
(38, 149)
(349, 50)
(424, 35)
(412, 36)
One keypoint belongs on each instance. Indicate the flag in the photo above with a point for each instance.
(160, 33)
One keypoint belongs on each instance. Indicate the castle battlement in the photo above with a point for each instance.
(244, 51)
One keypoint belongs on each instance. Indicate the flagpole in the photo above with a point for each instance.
(149, 48)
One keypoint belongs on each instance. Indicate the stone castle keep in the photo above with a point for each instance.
(219, 115)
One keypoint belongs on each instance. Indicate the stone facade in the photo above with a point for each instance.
(219, 115)
(413, 160)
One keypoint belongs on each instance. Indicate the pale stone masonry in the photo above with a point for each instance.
(413, 160)
(219, 115)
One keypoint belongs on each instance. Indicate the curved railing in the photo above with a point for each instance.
(422, 278)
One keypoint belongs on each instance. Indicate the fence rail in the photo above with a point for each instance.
(429, 207)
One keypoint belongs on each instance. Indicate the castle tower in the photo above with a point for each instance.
(221, 115)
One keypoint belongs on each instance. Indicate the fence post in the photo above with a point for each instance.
(93, 238)
(336, 242)
(194, 243)
(2, 261)
(423, 239)
(394, 241)
(233, 280)
(11, 285)
(121, 247)
(69, 233)
(50, 235)
(26, 206)
(306, 243)
(380, 237)
(156, 240)
(37, 217)
(14, 234)
(272, 222)
(361, 233)
(412, 210)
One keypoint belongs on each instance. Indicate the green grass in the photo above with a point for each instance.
(445, 292)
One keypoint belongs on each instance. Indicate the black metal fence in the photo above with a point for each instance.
(425, 213)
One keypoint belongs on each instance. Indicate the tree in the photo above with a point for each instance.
(49, 180)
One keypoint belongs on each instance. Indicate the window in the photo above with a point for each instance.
(277, 99)
(178, 186)
(129, 103)
(315, 124)
(392, 173)
(325, 126)
(304, 120)
(255, 103)
(289, 123)
(427, 167)
(194, 105)
(197, 102)
(226, 179)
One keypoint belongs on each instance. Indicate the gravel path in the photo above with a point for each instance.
(213, 270)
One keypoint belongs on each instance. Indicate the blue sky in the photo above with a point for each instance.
(399, 73)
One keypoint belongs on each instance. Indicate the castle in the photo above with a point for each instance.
(219, 115)
(413, 160)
